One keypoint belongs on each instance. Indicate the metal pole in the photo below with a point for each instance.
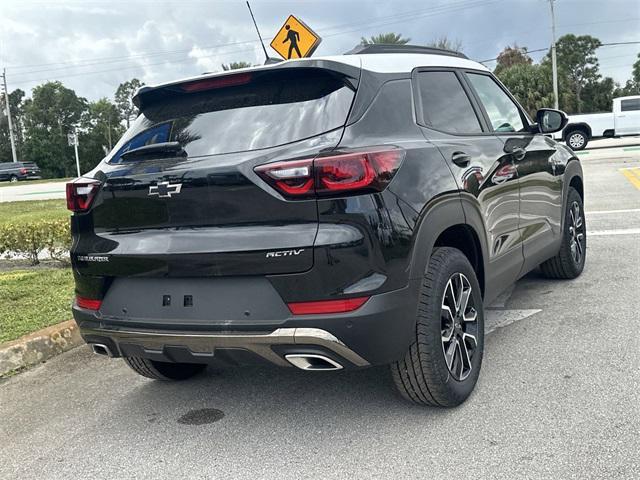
(6, 97)
(266, 55)
(554, 65)
(75, 147)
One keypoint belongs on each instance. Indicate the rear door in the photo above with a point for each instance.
(627, 116)
(202, 210)
(486, 176)
(534, 156)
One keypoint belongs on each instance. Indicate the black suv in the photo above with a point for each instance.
(14, 171)
(326, 213)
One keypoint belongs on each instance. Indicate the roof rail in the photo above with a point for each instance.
(394, 48)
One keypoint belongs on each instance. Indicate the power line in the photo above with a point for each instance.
(546, 49)
(401, 17)
(454, 6)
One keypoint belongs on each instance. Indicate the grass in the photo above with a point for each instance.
(31, 182)
(33, 299)
(32, 211)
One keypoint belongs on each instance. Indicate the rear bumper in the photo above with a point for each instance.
(377, 333)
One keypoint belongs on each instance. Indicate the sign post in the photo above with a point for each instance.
(72, 138)
(295, 39)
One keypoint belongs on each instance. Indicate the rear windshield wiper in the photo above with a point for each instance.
(173, 149)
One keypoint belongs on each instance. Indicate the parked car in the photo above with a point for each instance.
(623, 120)
(323, 213)
(14, 171)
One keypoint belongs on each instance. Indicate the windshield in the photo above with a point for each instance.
(284, 107)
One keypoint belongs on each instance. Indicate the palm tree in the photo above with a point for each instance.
(386, 38)
(235, 65)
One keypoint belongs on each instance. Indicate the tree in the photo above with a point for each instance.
(577, 63)
(445, 43)
(235, 66)
(101, 128)
(50, 114)
(511, 56)
(632, 87)
(17, 107)
(598, 95)
(530, 84)
(123, 97)
(385, 38)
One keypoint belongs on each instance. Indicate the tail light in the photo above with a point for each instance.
(327, 306)
(23, 171)
(80, 194)
(88, 303)
(216, 82)
(365, 171)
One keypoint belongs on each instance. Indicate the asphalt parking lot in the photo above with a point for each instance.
(558, 397)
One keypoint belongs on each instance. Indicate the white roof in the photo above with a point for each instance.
(374, 62)
(399, 62)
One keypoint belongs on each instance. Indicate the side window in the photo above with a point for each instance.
(445, 104)
(503, 113)
(630, 105)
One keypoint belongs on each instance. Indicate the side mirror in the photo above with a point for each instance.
(550, 121)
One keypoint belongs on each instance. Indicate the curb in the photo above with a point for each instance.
(39, 346)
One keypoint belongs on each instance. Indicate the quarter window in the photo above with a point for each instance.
(630, 105)
(445, 105)
(503, 113)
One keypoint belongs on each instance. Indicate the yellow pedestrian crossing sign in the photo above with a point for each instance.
(295, 39)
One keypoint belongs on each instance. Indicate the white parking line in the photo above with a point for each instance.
(609, 212)
(622, 231)
(496, 318)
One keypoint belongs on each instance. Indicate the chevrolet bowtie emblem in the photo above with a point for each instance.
(165, 190)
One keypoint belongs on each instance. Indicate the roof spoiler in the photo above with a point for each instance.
(147, 95)
(394, 48)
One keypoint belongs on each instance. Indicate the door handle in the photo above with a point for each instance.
(461, 159)
(518, 153)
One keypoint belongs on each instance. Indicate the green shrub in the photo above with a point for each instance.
(31, 238)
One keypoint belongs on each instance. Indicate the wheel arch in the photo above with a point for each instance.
(573, 177)
(577, 126)
(444, 223)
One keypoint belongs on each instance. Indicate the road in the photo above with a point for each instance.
(26, 190)
(558, 397)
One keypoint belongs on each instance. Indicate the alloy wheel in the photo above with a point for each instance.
(576, 230)
(459, 326)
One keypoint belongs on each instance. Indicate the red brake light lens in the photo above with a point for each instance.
(327, 306)
(88, 303)
(80, 194)
(357, 172)
(216, 82)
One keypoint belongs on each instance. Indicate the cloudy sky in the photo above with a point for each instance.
(93, 45)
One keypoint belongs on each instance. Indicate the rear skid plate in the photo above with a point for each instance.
(206, 343)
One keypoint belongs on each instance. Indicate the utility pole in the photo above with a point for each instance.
(554, 65)
(6, 98)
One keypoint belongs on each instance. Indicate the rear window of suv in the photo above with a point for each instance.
(278, 108)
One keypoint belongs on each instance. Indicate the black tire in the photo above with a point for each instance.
(577, 139)
(163, 370)
(566, 264)
(13, 179)
(423, 376)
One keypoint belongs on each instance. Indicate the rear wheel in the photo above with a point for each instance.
(569, 262)
(577, 139)
(13, 179)
(163, 370)
(442, 365)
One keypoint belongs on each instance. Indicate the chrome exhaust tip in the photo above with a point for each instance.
(309, 361)
(100, 349)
